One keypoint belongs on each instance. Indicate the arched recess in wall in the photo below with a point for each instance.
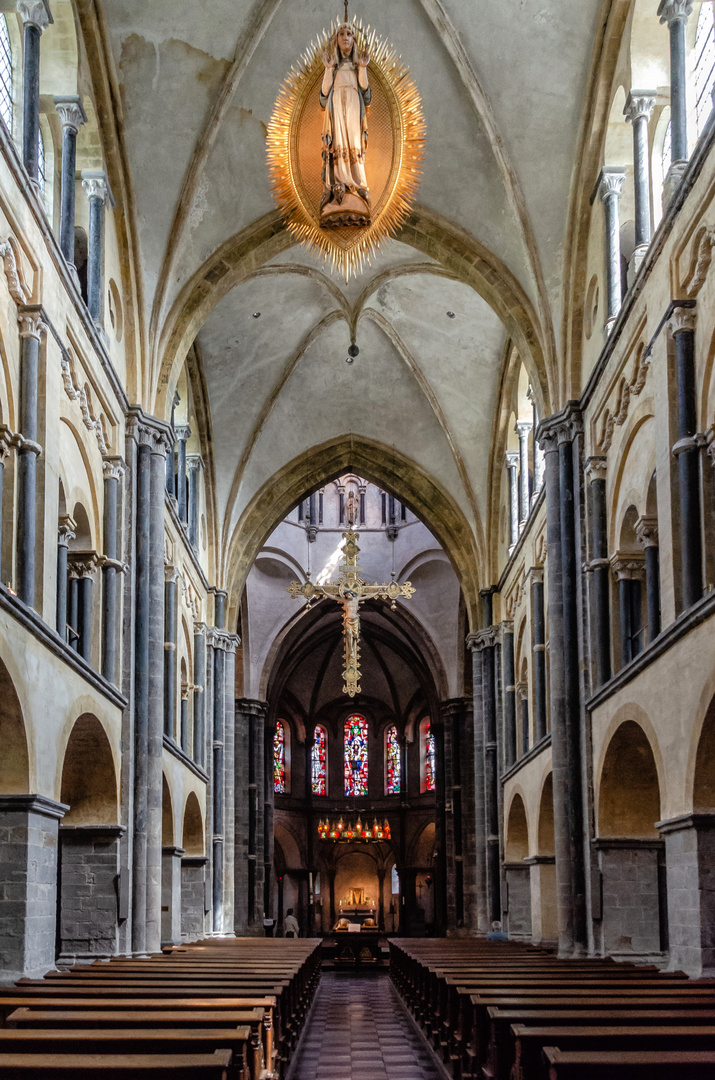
(90, 792)
(385, 467)
(516, 846)
(704, 780)
(546, 842)
(167, 814)
(629, 791)
(192, 832)
(14, 760)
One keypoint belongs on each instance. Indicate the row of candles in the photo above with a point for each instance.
(359, 830)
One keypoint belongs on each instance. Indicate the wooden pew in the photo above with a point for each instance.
(121, 1067)
(629, 1065)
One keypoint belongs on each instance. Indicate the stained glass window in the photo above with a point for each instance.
(279, 759)
(356, 755)
(429, 757)
(5, 75)
(392, 761)
(318, 761)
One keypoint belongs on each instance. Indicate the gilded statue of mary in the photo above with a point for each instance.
(344, 95)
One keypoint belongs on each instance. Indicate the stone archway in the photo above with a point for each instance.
(193, 864)
(516, 870)
(543, 870)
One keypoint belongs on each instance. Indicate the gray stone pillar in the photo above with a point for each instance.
(36, 17)
(7, 442)
(170, 576)
(538, 638)
(111, 565)
(152, 437)
(250, 719)
(193, 887)
(638, 111)
(183, 434)
(73, 606)
(512, 464)
(487, 640)
(72, 115)
(523, 430)
(98, 192)
(444, 878)
(557, 435)
(88, 917)
(218, 781)
(475, 643)
(31, 330)
(65, 533)
(194, 464)
(171, 862)
(28, 871)
(197, 749)
(647, 536)
(84, 564)
(675, 13)
(230, 642)
(600, 569)
(509, 695)
(610, 185)
(628, 568)
(184, 717)
(522, 694)
(689, 861)
(687, 450)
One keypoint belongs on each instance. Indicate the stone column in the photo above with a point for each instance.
(512, 464)
(675, 13)
(218, 780)
(36, 17)
(171, 860)
(7, 441)
(28, 871)
(523, 430)
(600, 568)
(113, 471)
(65, 533)
(522, 697)
(487, 640)
(85, 564)
(184, 716)
(31, 330)
(153, 438)
(170, 463)
(638, 111)
(183, 434)
(444, 883)
(689, 860)
(647, 536)
(72, 116)
(628, 568)
(197, 749)
(610, 185)
(557, 436)
(687, 450)
(249, 722)
(73, 606)
(538, 638)
(509, 696)
(194, 464)
(98, 192)
(170, 576)
(230, 644)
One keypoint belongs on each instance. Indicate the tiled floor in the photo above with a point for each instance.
(358, 1030)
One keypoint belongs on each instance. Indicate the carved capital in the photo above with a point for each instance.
(66, 530)
(610, 182)
(512, 459)
(683, 318)
(113, 468)
(82, 564)
(71, 112)
(562, 427)
(483, 639)
(670, 11)
(194, 461)
(32, 324)
(647, 531)
(96, 185)
(171, 573)
(523, 427)
(639, 103)
(595, 468)
(7, 442)
(35, 12)
(627, 566)
(182, 432)
(186, 689)
(199, 628)
(149, 431)
(536, 573)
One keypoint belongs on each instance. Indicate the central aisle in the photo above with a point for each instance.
(358, 1030)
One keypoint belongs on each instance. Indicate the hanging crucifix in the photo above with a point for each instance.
(351, 591)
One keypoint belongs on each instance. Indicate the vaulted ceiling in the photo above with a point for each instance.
(503, 86)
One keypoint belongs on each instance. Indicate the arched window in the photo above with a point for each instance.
(356, 755)
(279, 759)
(5, 75)
(393, 776)
(704, 64)
(427, 756)
(318, 757)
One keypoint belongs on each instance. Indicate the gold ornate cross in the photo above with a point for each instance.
(350, 590)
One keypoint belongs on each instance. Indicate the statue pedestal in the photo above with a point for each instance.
(353, 210)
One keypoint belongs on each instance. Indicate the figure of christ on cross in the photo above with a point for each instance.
(350, 590)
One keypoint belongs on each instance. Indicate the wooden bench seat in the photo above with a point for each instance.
(130, 1066)
(629, 1065)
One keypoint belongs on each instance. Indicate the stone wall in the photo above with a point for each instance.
(89, 875)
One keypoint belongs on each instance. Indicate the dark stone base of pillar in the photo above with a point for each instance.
(630, 924)
(690, 870)
(89, 871)
(518, 891)
(193, 891)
